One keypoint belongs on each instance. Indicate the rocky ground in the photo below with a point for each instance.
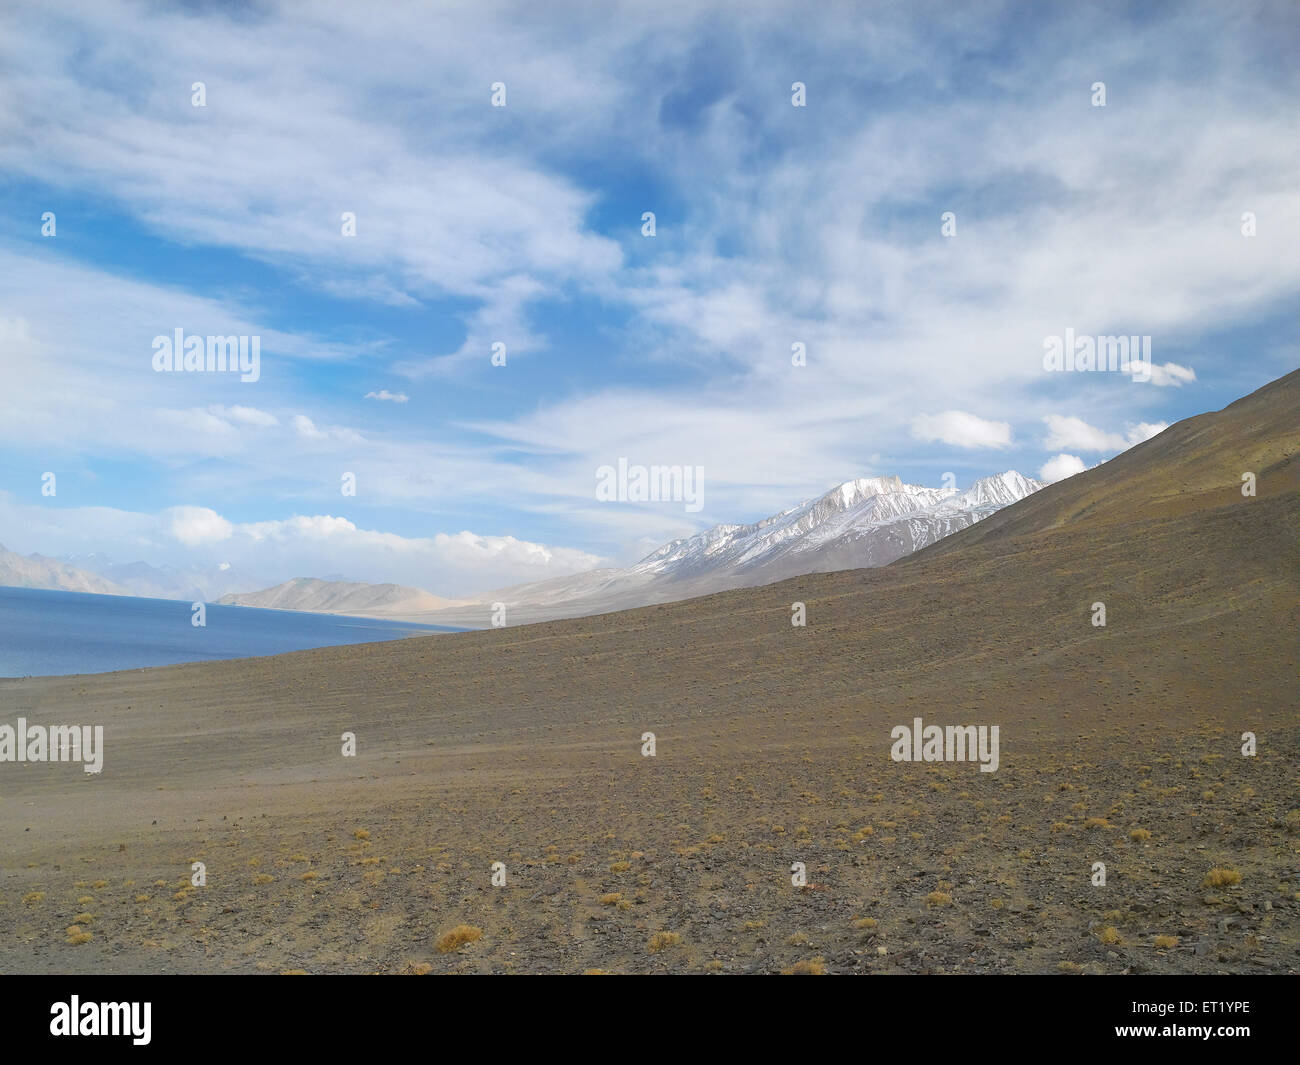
(1119, 745)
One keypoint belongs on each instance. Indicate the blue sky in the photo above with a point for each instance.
(522, 224)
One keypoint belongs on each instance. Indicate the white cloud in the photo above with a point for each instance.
(308, 430)
(265, 553)
(1145, 431)
(1116, 226)
(1061, 467)
(194, 526)
(960, 429)
(246, 415)
(1170, 373)
(306, 427)
(1067, 432)
(1163, 375)
(391, 397)
(1075, 433)
(196, 420)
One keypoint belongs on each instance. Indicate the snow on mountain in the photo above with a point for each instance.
(884, 515)
(870, 521)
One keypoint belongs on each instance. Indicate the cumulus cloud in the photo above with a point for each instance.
(390, 397)
(1061, 467)
(960, 429)
(1075, 433)
(259, 554)
(194, 526)
(1067, 432)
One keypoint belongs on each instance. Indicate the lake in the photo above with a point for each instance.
(44, 633)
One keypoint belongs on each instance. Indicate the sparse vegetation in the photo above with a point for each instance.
(458, 937)
(76, 936)
(661, 941)
(1221, 876)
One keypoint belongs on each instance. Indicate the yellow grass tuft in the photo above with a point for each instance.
(663, 941)
(1139, 835)
(938, 898)
(1221, 876)
(812, 967)
(458, 937)
(1110, 936)
(1166, 942)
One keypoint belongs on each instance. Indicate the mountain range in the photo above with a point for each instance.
(866, 522)
(861, 523)
(341, 597)
(100, 575)
(38, 571)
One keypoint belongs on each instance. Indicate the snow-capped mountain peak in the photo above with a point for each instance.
(868, 521)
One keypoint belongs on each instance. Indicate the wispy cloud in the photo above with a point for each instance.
(777, 227)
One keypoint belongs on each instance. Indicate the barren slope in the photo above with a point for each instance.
(522, 745)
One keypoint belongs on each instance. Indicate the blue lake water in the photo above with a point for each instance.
(46, 633)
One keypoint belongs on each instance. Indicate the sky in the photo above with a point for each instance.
(821, 225)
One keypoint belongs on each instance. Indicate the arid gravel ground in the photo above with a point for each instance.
(1119, 745)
